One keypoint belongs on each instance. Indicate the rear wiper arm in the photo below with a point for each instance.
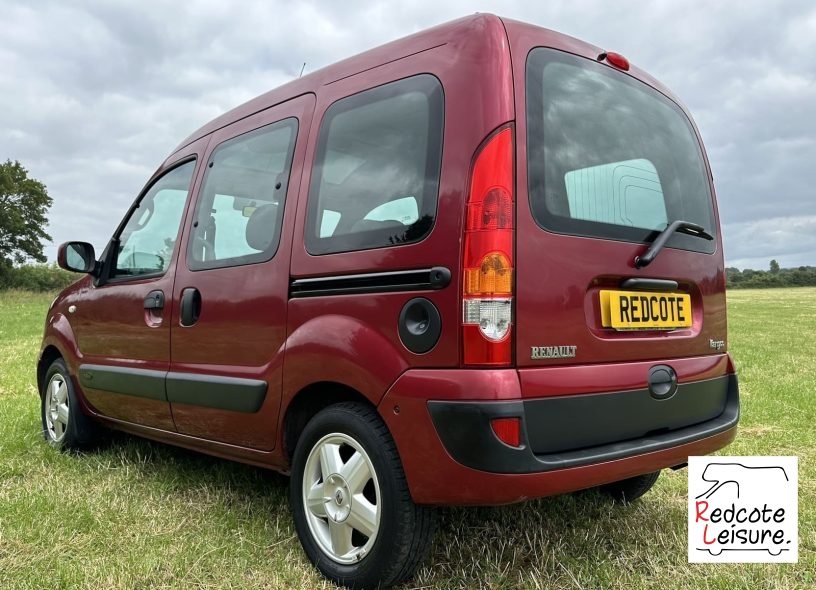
(680, 226)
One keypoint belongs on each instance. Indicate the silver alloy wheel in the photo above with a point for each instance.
(56, 408)
(341, 497)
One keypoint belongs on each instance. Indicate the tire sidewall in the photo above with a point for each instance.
(70, 438)
(370, 570)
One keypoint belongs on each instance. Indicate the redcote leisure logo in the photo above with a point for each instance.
(743, 509)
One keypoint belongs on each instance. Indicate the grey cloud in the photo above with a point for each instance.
(791, 241)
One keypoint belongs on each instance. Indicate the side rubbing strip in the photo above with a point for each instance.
(222, 393)
(139, 382)
(434, 278)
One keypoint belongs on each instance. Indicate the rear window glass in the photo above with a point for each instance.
(608, 156)
(376, 175)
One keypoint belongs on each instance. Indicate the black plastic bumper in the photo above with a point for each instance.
(575, 430)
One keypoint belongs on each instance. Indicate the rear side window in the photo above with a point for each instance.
(240, 207)
(376, 176)
(610, 157)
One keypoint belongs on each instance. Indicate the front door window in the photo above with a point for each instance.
(148, 239)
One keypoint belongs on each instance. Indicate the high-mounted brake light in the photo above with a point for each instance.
(615, 59)
(487, 281)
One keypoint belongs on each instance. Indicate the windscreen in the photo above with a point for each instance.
(609, 156)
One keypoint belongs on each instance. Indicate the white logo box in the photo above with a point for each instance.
(743, 510)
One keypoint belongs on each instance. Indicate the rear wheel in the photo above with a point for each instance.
(629, 490)
(63, 423)
(350, 501)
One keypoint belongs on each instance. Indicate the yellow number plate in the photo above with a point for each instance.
(639, 310)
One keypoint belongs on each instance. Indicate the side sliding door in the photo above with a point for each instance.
(232, 280)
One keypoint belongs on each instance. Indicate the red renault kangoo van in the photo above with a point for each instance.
(474, 266)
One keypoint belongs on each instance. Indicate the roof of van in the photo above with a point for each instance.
(361, 62)
(480, 26)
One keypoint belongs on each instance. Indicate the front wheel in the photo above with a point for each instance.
(63, 423)
(351, 505)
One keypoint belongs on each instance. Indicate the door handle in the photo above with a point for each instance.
(190, 306)
(154, 300)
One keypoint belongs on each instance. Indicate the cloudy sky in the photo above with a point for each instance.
(95, 94)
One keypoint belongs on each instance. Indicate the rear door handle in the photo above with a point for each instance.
(190, 306)
(154, 300)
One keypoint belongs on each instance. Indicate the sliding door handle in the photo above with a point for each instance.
(190, 306)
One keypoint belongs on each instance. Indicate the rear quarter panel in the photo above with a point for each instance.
(354, 338)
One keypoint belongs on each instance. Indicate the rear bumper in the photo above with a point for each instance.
(451, 456)
(583, 429)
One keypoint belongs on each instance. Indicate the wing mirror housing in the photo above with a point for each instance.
(77, 257)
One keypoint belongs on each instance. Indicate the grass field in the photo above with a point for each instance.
(139, 515)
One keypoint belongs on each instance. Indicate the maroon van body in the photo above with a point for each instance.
(489, 348)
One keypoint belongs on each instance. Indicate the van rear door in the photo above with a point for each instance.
(606, 164)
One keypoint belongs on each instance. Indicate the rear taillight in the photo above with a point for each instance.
(487, 281)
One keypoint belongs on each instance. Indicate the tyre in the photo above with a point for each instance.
(63, 423)
(350, 501)
(629, 490)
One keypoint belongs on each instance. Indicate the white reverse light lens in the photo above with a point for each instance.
(493, 316)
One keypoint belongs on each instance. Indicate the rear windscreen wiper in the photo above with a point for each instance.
(683, 227)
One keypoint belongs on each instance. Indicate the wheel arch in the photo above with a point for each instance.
(59, 342)
(307, 403)
(49, 354)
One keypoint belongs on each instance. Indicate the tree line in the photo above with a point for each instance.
(803, 276)
(36, 277)
(24, 204)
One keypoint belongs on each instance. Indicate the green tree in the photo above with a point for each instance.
(24, 204)
(774, 266)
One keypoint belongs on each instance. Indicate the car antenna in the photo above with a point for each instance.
(301, 69)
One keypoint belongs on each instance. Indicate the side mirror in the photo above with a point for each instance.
(77, 257)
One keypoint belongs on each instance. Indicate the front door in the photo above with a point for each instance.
(122, 326)
(232, 282)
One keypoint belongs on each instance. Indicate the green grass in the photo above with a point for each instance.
(139, 515)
